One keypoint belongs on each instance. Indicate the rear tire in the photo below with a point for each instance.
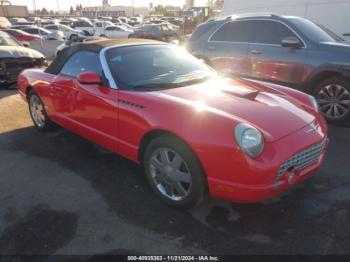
(38, 113)
(333, 97)
(174, 172)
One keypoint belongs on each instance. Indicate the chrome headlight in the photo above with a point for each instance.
(314, 103)
(249, 139)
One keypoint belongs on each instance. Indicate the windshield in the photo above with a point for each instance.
(155, 66)
(6, 40)
(311, 30)
(332, 34)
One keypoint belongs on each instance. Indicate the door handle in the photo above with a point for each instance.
(255, 52)
(211, 48)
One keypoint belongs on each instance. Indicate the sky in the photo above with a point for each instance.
(65, 4)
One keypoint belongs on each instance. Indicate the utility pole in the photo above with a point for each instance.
(58, 7)
(133, 8)
(35, 11)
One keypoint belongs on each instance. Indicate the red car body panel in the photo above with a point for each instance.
(22, 36)
(204, 116)
(27, 38)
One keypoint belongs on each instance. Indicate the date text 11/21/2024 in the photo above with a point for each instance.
(173, 258)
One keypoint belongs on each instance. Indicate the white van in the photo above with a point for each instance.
(332, 14)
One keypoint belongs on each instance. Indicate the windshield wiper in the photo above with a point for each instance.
(157, 85)
(194, 80)
(191, 81)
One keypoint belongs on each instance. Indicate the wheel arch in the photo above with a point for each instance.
(28, 89)
(152, 134)
(325, 73)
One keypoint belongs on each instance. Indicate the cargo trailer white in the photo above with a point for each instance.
(333, 14)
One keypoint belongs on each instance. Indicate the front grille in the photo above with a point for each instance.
(302, 159)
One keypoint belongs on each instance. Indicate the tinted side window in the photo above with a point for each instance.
(238, 31)
(14, 33)
(83, 61)
(85, 24)
(201, 30)
(32, 31)
(271, 32)
(52, 27)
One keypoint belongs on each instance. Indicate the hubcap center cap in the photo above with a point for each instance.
(168, 170)
(168, 177)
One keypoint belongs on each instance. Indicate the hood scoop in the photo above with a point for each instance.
(242, 92)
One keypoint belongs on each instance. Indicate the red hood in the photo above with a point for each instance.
(271, 113)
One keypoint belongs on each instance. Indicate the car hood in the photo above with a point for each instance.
(275, 115)
(19, 51)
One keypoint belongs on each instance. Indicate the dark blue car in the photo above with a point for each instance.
(286, 50)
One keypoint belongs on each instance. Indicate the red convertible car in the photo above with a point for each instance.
(194, 132)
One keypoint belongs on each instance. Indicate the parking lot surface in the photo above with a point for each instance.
(61, 194)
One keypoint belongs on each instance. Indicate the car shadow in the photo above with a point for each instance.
(304, 220)
(4, 92)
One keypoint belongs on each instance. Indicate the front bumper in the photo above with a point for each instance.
(241, 179)
(255, 193)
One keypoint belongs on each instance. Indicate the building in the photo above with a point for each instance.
(332, 14)
(9, 10)
(114, 11)
(189, 4)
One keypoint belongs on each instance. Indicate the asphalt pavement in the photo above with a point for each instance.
(61, 194)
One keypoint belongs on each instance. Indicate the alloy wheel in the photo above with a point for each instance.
(334, 101)
(37, 110)
(170, 174)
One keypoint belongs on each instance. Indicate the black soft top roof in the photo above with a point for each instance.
(92, 46)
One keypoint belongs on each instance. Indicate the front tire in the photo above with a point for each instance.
(38, 113)
(333, 97)
(174, 172)
(73, 37)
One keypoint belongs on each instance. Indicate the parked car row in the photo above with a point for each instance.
(286, 50)
(153, 27)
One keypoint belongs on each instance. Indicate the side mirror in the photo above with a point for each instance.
(89, 78)
(291, 42)
(25, 44)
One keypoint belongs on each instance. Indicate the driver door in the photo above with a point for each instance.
(88, 109)
(269, 61)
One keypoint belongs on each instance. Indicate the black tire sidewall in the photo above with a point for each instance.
(335, 80)
(198, 184)
(72, 37)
